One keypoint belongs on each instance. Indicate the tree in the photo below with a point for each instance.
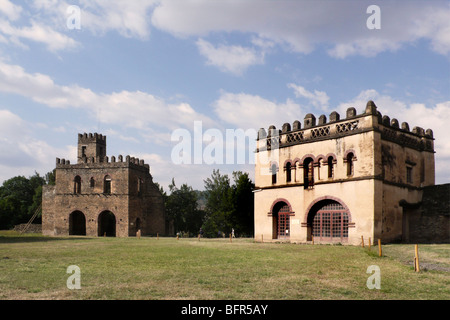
(182, 208)
(243, 201)
(19, 198)
(219, 206)
(229, 206)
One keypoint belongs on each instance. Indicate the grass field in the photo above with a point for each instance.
(34, 267)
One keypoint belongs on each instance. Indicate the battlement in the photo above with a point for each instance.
(320, 129)
(87, 138)
(105, 162)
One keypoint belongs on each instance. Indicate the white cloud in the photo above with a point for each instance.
(22, 152)
(11, 10)
(435, 26)
(129, 18)
(37, 32)
(232, 59)
(247, 111)
(318, 99)
(303, 25)
(135, 109)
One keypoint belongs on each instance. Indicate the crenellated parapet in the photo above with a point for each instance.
(91, 138)
(105, 162)
(316, 129)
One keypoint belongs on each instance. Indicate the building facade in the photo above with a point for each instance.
(99, 196)
(337, 180)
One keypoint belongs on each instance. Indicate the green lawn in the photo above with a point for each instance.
(34, 267)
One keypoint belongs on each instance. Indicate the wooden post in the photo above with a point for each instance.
(416, 258)
(380, 253)
(369, 242)
(199, 237)
(262, 238)
(362, 241)
(178, 237)
(104, 235)
(138, 234)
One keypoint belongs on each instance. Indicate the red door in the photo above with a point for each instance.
(330, 223)
(283, 231)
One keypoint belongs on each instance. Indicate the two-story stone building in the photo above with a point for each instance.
(99, 196)
(339, 179)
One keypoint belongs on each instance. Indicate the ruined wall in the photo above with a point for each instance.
(430, 223)
(404, 163)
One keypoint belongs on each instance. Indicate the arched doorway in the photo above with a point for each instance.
(77, 224)
(106, 224)
(328, 221)
(281, 212)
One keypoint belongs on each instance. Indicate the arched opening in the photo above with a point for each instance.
(281, 220)
(92, 182)
(328, 221)
(77, 224)
(138, 225)
(274, 173)
(288, 172)
(107, 185)
(106, 224)
(330, 167)
(77, 185)
(349, 164)
(308, 173)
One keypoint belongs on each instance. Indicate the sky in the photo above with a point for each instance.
(153, 75)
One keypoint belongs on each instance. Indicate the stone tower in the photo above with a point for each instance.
(92, 147)
(99, 196)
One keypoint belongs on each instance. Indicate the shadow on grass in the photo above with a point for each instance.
(15, 237)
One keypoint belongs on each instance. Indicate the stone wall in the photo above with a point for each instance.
(33, 228)
(430, 223)
(101, 196)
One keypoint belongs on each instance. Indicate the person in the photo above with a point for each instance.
(232, 232)
(201, 232)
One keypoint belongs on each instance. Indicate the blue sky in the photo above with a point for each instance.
(139, 70)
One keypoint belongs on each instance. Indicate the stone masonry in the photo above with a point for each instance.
(101, 196)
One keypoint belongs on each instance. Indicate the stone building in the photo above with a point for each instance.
(337, 180)
(99, 196)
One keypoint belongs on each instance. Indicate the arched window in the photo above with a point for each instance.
(274, 173)
(308, 173)
(350, 164)
(77, 185)
(288, 172)
(92, 182)
(330, 167)
(107, 185)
